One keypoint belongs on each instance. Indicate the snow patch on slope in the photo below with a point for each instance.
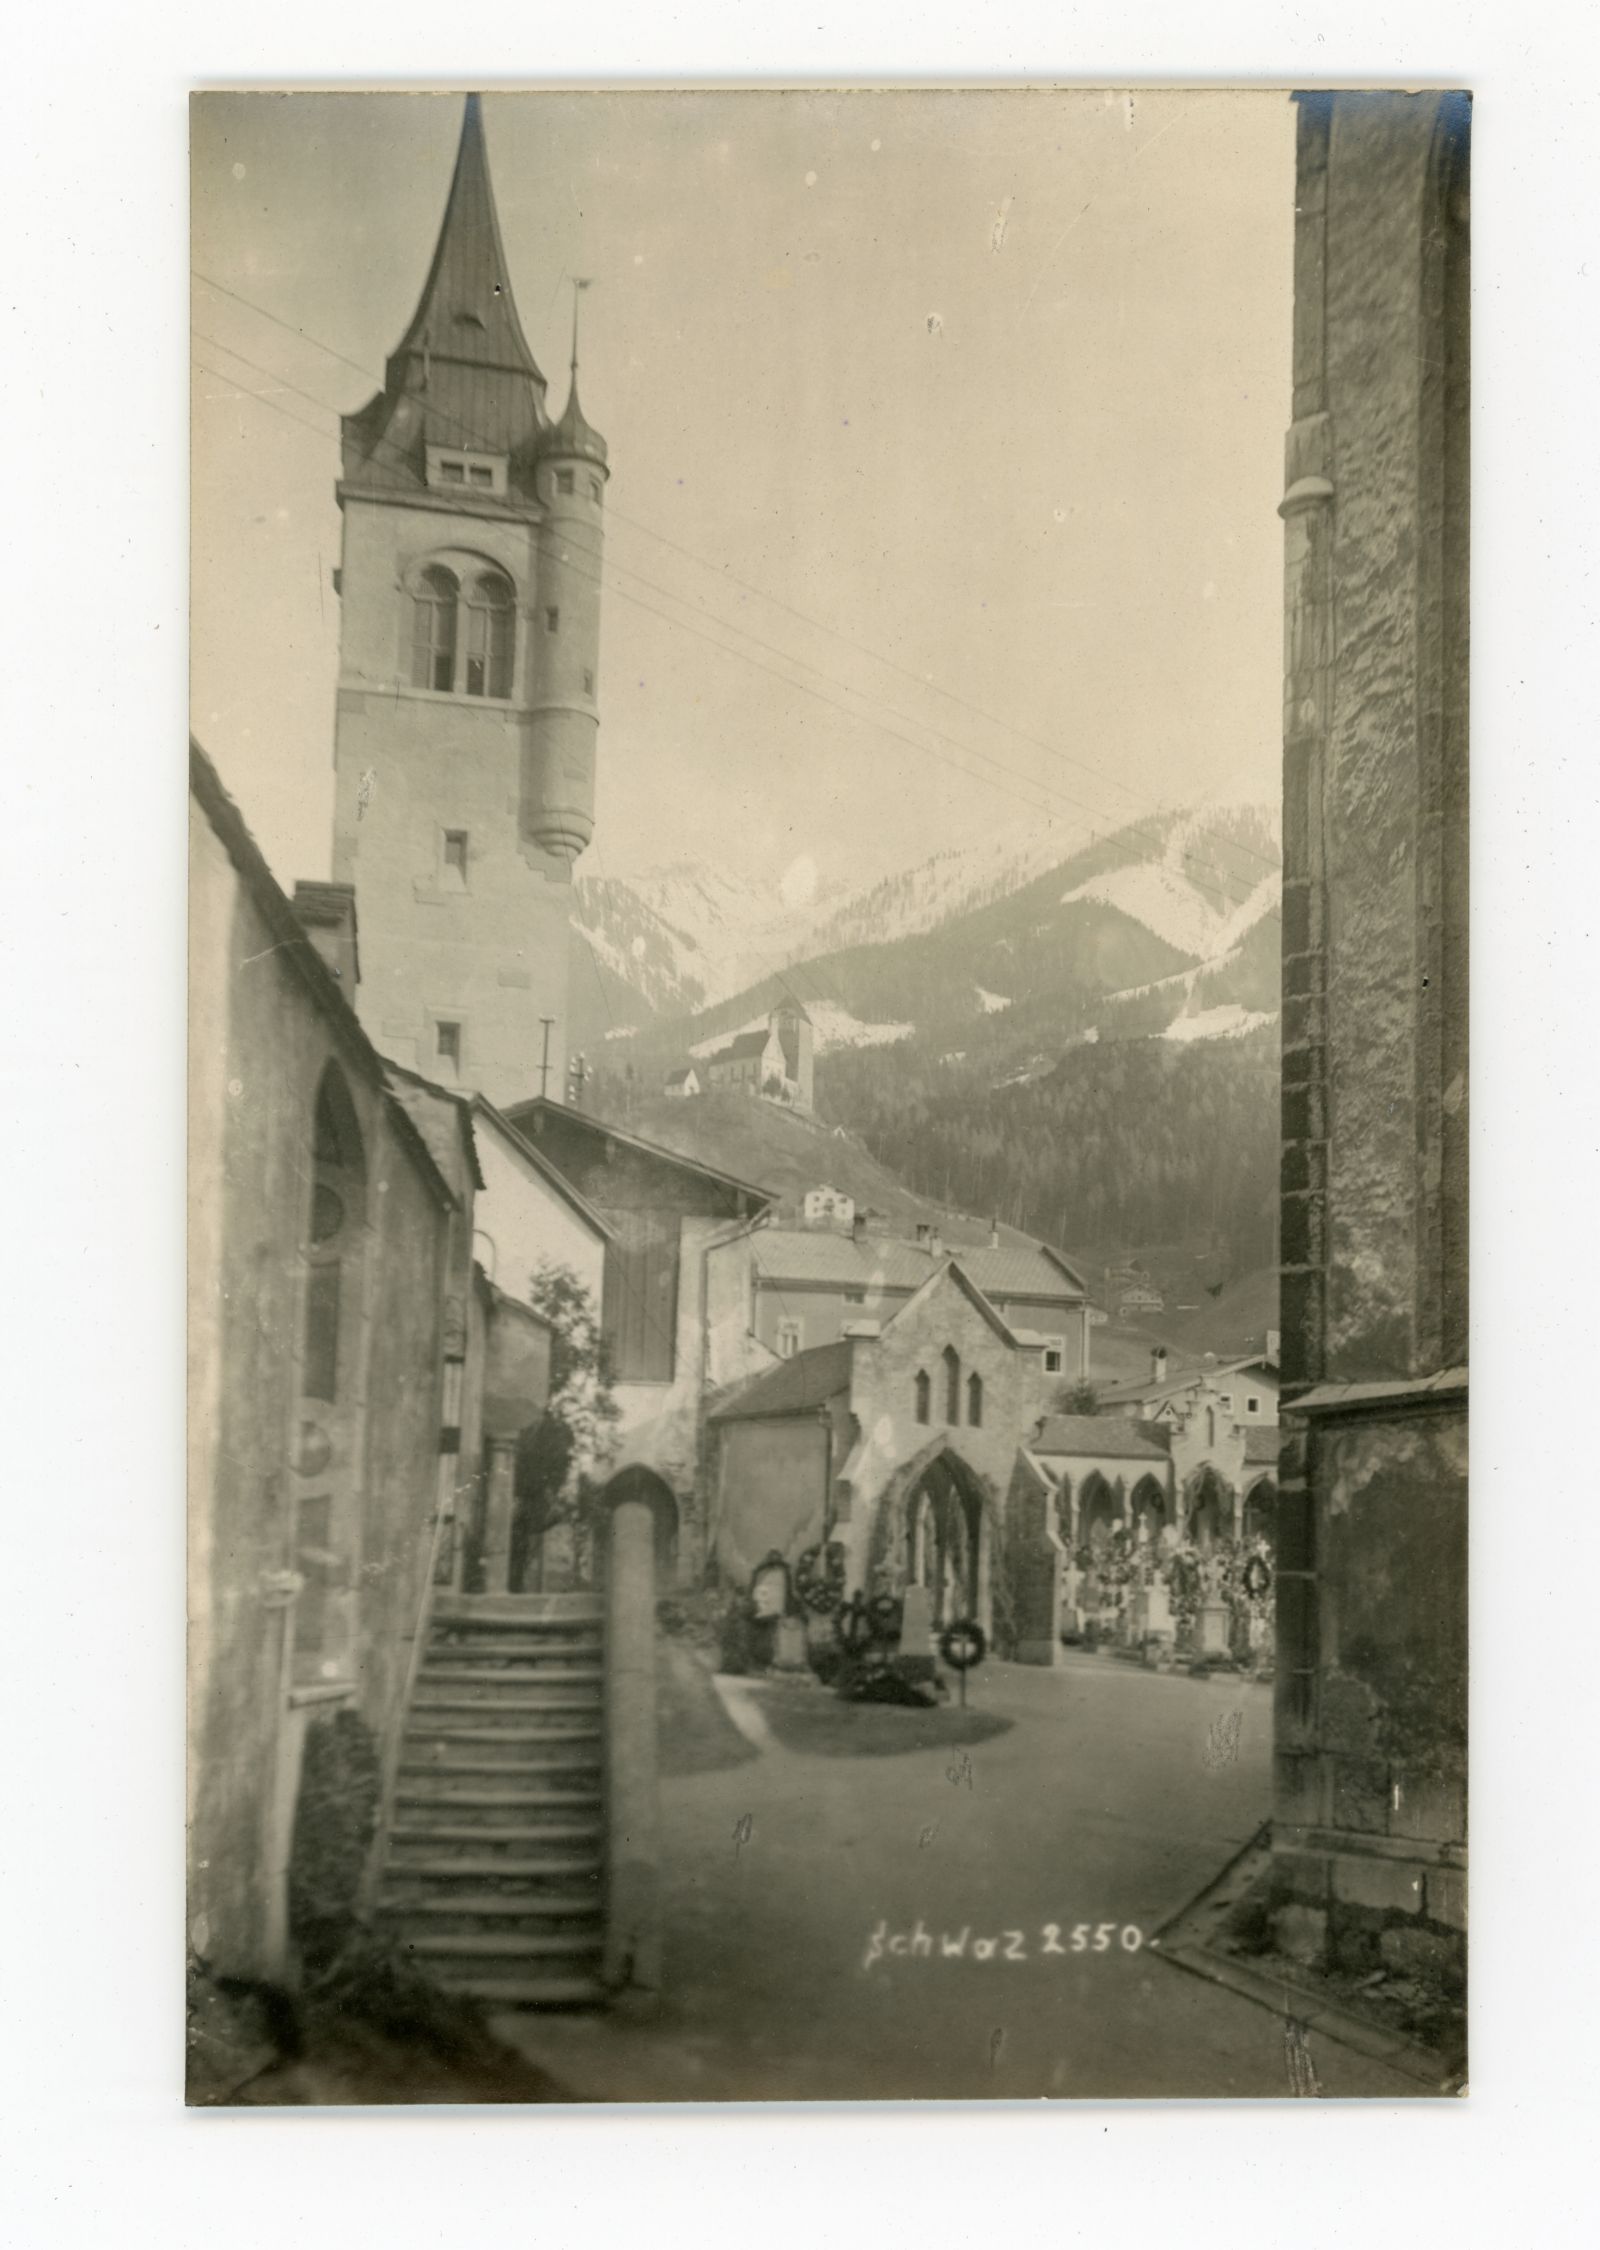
(1230, 1021)
(991, 1002)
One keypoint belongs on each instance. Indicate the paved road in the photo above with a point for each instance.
(1111, 1799)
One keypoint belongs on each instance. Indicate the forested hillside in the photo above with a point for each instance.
(1136, 1140)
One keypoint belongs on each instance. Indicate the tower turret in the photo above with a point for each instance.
(558, 769)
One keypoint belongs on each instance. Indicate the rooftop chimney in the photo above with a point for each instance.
(327, 914)
(935, 1243)
(994, 1234)
(1158, 1364)
(924, 1234)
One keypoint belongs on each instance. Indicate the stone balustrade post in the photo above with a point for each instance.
(633, 1820)
(497, 1508)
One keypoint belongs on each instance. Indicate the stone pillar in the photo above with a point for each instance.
(633, 1819)
(497, 1508)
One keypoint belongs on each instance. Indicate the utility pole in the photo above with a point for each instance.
(544, 1060)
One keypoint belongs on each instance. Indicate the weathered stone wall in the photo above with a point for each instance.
(259, 1049)
(1371, 1601)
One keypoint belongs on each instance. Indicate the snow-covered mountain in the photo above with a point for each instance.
(1037, 917)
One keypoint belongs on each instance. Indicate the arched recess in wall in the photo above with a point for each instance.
(950, 1360)
(1260, 1510)
(636, 1482)
(1208, 1507)
(1097, 1509)
(922, 1395)
(326, 1449)
(1147, 1504)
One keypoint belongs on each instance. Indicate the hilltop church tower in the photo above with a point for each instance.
(469, 651)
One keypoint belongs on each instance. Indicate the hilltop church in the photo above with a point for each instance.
(469, 656)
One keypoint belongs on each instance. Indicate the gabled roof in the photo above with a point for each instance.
(486, 1112)
(301, 957)
(680, 1077)
(530, 1117)
(1188, 1379)
(969, 1289)
(748, 1045)
(1030, 1270)
(884, 1262)
(424, 1102)
(795, 1386)
(1108, 1436)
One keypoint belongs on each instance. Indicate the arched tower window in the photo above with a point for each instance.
(952, 1384)
(924, 1395)
(433, 630)
(490, 622)
(975, 1401)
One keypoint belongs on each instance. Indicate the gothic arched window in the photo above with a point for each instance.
(490, 618)
(433, 630)
(952, 1384)
(924, 1392)
(975, 1401)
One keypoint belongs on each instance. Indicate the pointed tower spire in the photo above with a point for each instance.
(466, 311)
(572, 438)
(462, 374)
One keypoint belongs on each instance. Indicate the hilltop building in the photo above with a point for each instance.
(468, 682)
(774, 1059)
(682, 1084)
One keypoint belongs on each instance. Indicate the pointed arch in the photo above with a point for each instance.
(975, 1401)
(922, 1391)
(950, 1360)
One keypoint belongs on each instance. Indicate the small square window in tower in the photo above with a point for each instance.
(564, 480)
(552, 620)
(455, 852)
(447, 1043)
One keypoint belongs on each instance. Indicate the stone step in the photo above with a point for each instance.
(504, 1954)
(458, 1734)
(551, 1672)
(438, 1795)
(525, 1991)
(518, 1609)
(498, 1906)
(449, 1827)
(514, 1648)
(558, 1768)
(526, 1869)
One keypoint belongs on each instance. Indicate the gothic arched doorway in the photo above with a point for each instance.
(1147, 1504)
(1097, 1510)
(944, 1539)
(1210, 1509)
(1260, 1510)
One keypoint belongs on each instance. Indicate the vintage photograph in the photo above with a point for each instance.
(828, 1095)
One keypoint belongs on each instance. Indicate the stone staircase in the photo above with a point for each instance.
(493, 1878)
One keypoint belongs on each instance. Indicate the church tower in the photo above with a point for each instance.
(464, 749)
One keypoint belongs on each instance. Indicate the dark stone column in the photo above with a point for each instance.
(633, 1818)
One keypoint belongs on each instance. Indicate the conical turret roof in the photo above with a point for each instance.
(572, 437)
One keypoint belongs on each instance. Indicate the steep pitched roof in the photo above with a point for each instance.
(532, 1118)
(462, 374)
(795, 1386)
(879, 1262)
(1110, 1436)
(537, 1161)
(950, 1271)
(1188, 1379)
(745, 1048)
(299, 955)
(1031, 1270)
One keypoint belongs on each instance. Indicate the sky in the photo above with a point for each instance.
(946, 438)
